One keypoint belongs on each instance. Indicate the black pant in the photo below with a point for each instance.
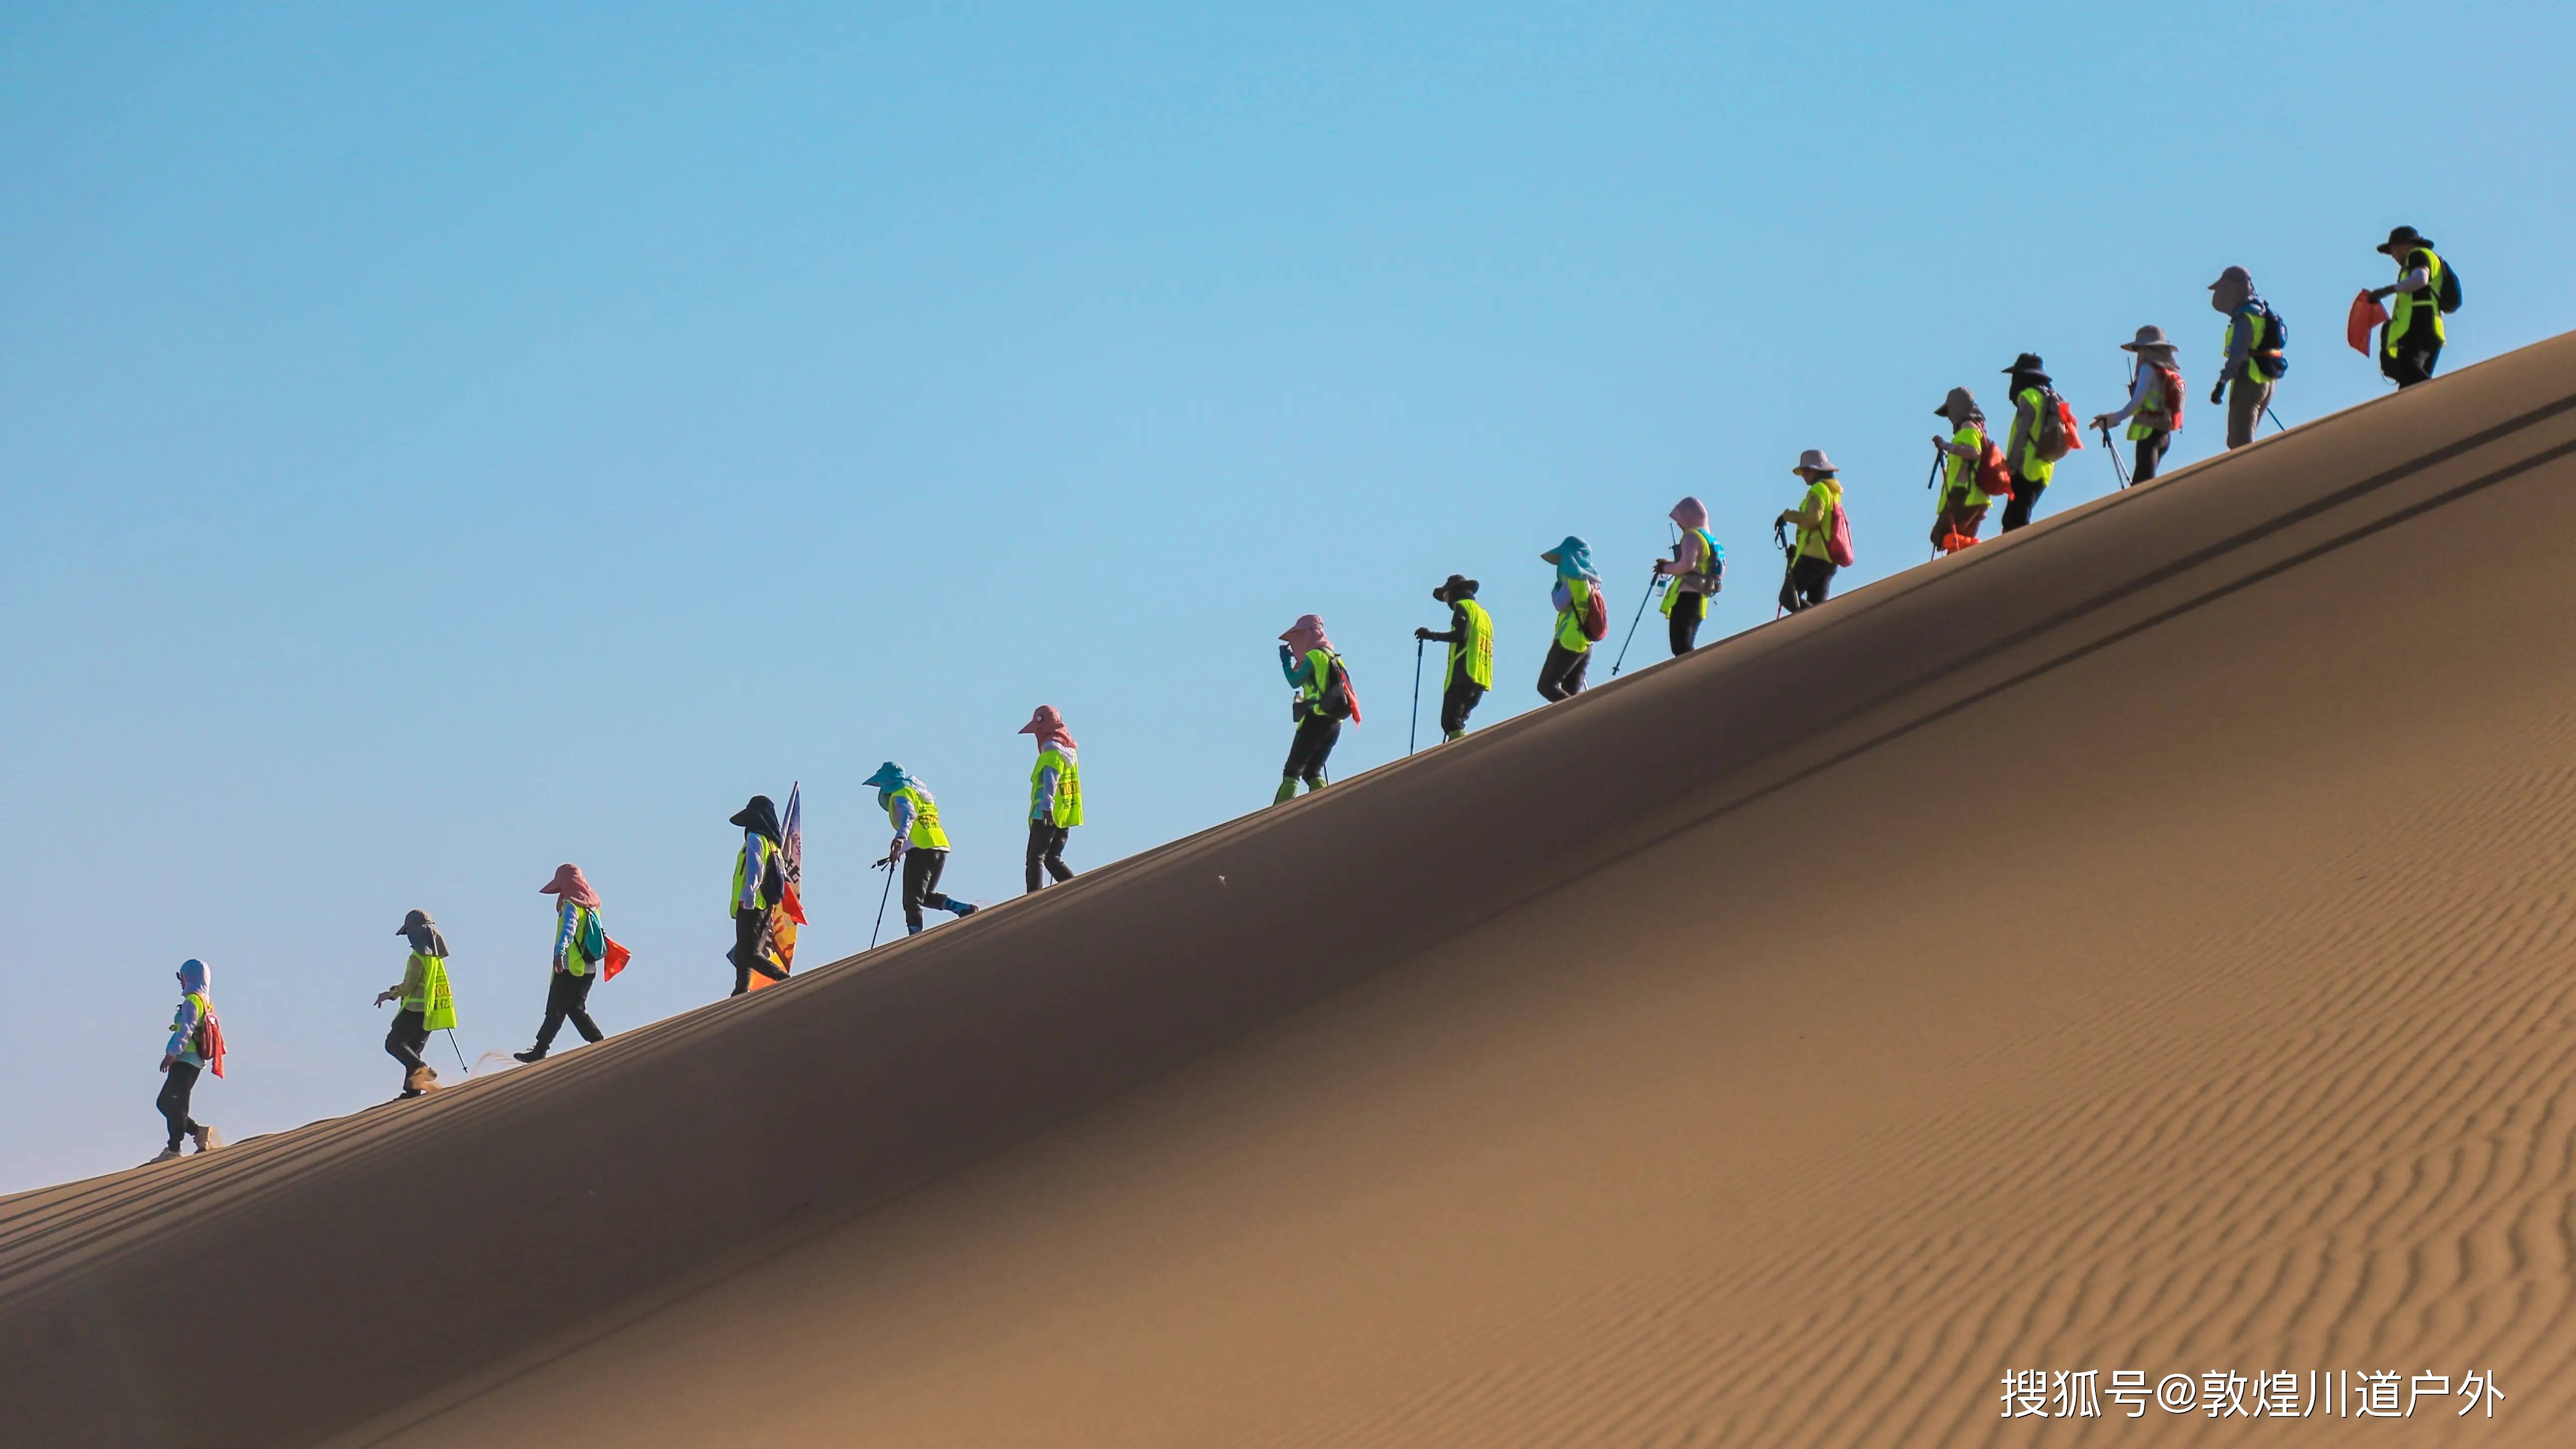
(568, 999)
(1046, 851)
(2025, 498)
(921, 870)
(1316, 736)
(1561, 677)
(1810, 578)
(2413, 360)
(403, 1043)
(2151, 452)
(1457, 702)
(750, 950)
(1682, 629)
(173, 1101)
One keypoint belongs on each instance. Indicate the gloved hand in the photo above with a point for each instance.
(2218, 394)
(1285, 654)
(1422, 634)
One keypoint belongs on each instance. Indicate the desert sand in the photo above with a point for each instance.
(2140, 944)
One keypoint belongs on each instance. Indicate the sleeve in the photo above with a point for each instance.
(1042, 803)
(1561, 597)
(1456, 633)
(566, 919)
(2139, 382)
(899, 811)
(415, 973)
(1685, 558)
(2023, 418)
(2240, 339)
(773, 879)
(182, 1027)
(2419, 274)
(1297, 668)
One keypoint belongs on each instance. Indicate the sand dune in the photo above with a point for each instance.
(2142, 944)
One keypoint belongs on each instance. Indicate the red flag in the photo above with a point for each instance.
(2365, 316)
(615, 961)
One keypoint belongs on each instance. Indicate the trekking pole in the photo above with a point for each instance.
(460, 1053)
(1936, 467)
(2114, 455)
(2275, 417)
(1413, 726)
(1632, 629)
(882, 895)
(1789, 573)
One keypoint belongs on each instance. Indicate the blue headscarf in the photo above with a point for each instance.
(889, 778)
(192, 977)
(1573, 560)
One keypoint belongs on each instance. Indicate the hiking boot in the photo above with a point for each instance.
(419, 1080)
(532, 1055)
(167, 1153)
(207, 1139)
(962, 909)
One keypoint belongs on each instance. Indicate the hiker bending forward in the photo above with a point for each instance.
(920, 847)
(428, 1004)
(1055, 796)
(1324, 699)
(1579, 605)
(580, 946)
(1811, 570)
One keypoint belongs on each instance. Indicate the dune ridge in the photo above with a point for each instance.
(2137, 943)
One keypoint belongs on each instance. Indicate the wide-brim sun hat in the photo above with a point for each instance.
(2028, 365)
(2149, 339)
(1458, 586)
(412, 921)
(2406, 237)
(1814, 461)
(1960, 398)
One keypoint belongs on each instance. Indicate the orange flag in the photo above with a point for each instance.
(2366, 315)
(615, 961)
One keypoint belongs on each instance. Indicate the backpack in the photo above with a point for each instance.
(2450, 286)
(2271, 341)
(1596, 617)
(1993, 478)
(1337, 700)
(209, 1041)
(2057, 434)
(1838, 541)
(2170, 380)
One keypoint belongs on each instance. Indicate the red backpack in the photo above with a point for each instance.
(1838, 539)
(2170, 379)
(1596, 617)
(1993, 478)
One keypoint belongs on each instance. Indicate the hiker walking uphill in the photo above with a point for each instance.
(1824, 538)
(1697, 569)
(1969, 465)
(1470, 637)
(1055, 796)
(2425, 289)
(920, 847)
(196, 1042)
(1582, 616)
(2041, 434)
(1324, 699)
(581, 945)
(428, 1003)
(2154, 409)
(759, 882)
(2256, 358)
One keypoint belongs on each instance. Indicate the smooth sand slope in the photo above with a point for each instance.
(2145, 943)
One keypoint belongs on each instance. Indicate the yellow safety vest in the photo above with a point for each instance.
(1068, 787)
(748, 874)
(2253, 345)
(1707, 565)
(2415, 307)
(1319, 672)
(432, 997)
(2033, 468)
(1477, 649)
(925, 833)
(1963, 471)
(1569, 622)
(2154, 416)
(1823, 496)
(194, 1044)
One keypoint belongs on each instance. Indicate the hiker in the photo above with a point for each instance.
(1470, 637)
(920, 846)
(2154, 410)
(1697, 569)
(428, 1003)
(1324, 699)
(1964, 499)
(2425, 289)
(1811, 570)
(2035, 418)
(580, 945)
(2254, 354)
(759, 882)
(1582, 616)
(195, 1042)
(1055, 796)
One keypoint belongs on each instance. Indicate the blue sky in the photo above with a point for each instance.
(438, 442)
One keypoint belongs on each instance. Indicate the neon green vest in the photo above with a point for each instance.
(1477, 649)
(2414, 308)
(432, 998)
(2253, 346)
(193, 1046)
(1068, 787)
(1569, 624)
(747, 871)
(2154, 416)
(2033, 468)
(1823, 496)
(925, 833)
(1319, 672)
(1707, 565)
(1963, 471)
